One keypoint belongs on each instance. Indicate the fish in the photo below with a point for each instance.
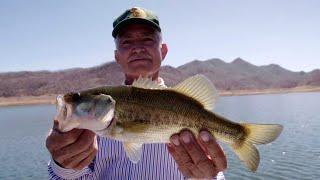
(146, 112)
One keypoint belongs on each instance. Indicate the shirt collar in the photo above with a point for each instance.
(159, 81)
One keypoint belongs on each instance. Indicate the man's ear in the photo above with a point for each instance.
(116, 56)
(164, 50)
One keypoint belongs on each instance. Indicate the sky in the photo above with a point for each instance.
(60, 34)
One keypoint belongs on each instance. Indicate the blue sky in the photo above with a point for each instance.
(59, 34)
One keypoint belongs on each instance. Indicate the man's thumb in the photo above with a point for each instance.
(55, 125)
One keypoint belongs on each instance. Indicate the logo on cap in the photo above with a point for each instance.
(137, 13)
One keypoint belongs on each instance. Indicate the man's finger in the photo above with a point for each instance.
(214, 150)
(55, 124)
(80, 145)
(74, 161)
(193, 149)
(185, 159)
(57, 140)
(180, 155)
(85, 162)
(197, 154)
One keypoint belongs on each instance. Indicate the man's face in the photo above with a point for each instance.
(139, 50)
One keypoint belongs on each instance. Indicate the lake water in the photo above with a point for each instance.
(294, 155)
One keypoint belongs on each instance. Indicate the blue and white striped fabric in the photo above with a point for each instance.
(112, 163)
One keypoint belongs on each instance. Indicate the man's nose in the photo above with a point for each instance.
(138, 48)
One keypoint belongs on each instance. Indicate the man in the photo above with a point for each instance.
(83, 155)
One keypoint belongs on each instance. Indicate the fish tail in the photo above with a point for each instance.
(255, 134)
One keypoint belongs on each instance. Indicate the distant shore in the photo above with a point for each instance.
(300, 89)
(27, 100)
(50, 99)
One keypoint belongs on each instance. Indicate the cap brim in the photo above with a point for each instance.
(134, 21)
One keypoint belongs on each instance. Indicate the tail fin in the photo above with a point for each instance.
(255, 134)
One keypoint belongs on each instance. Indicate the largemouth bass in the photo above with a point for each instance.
(148, 113)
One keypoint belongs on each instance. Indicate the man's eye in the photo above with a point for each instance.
(148, 41)
(125, 42)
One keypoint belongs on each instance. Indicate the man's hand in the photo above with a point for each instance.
(72, 150)
(197, 158)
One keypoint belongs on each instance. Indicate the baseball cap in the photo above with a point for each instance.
(135, 15)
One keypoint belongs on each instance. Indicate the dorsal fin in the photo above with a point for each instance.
(146, 83)
(199, 88)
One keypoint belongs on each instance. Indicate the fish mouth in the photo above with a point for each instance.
(62, 113)
(61, 107)
(98, 115)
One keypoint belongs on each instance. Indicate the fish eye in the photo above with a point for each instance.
(71, 97)
(75, 96)
(109, 100)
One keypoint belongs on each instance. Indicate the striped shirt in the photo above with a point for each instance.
(111, 163)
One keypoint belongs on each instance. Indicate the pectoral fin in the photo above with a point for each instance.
(133, 151)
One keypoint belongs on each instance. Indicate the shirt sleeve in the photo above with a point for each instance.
(220, 176)
(56, 172)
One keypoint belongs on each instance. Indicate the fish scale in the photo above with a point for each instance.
(173, 110)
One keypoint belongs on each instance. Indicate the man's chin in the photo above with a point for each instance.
(141, 72)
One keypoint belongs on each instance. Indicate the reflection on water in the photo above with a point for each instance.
(294, 155)
(22, 134)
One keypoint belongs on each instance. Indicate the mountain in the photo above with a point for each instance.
(45, 82)
(237, 75)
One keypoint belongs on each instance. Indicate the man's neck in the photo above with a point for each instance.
(129, 79)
